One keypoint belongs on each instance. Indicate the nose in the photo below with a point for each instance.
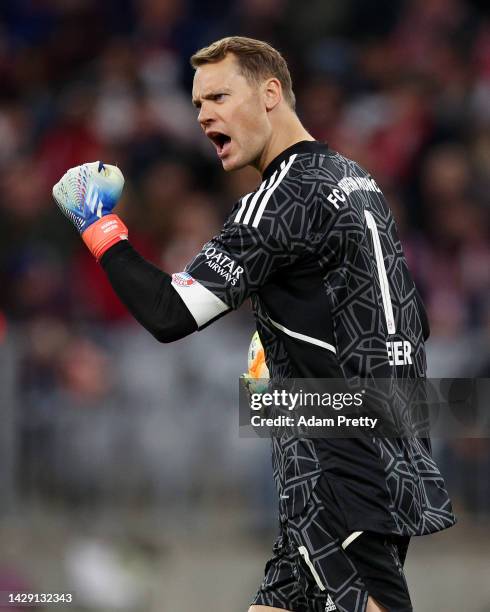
(204, 117)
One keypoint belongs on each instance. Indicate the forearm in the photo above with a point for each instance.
(147, 293)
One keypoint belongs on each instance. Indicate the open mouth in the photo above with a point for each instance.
(221, 142)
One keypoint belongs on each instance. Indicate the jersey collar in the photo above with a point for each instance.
(304, 146)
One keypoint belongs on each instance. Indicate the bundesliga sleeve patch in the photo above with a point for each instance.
(201, 303)
(182, 279)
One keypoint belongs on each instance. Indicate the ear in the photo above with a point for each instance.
(272, 93)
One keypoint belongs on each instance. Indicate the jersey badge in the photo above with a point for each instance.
(183, 279)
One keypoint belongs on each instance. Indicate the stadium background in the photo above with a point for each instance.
(122, 477)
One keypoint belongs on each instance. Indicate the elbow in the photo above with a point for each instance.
(165, 338)
(171, 324)
(166, 335)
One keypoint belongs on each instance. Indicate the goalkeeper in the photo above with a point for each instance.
(316, 249)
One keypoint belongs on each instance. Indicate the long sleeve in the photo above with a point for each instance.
(148, 294)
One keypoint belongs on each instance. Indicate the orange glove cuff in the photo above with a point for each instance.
(101, 235)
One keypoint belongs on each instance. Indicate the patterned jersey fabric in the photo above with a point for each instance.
(315, 247)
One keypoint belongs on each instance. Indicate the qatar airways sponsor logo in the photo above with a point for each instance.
(223, 265)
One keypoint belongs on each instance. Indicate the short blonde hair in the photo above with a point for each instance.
(257, 60)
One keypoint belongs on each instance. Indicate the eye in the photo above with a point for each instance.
(219, 97)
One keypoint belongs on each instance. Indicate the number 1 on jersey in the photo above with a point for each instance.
(383, 278)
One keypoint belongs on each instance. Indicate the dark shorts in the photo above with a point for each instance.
(319, 566)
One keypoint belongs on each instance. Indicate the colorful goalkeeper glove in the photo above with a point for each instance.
(86, 195)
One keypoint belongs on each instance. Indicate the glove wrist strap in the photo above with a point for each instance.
(104, 233)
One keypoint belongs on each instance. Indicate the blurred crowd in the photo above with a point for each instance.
(401, 86)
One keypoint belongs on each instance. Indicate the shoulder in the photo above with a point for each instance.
(291, 194)
(291, 185)
(323, 177)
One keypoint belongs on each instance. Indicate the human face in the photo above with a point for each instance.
(232, 113)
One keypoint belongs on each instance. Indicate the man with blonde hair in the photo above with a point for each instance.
(316, 249)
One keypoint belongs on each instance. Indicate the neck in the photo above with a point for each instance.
(287, 131)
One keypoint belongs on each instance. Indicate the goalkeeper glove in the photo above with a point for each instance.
(86, 195)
